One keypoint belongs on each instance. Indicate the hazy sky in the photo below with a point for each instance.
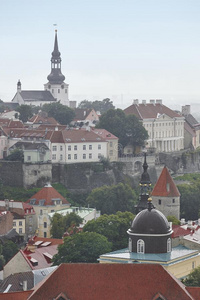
(121, 49)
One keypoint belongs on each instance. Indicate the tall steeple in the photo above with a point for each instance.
(56, 85)
(56, 77)
(145, 187)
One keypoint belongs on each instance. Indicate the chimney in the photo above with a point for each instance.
(186, 110)
(25, 285)
(144, 102)
(182, 221)
(152, 101)
(158, 101)
(136, 101)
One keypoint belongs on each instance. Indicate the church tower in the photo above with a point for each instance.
(165, 195)
(145, 187)
(56, 84)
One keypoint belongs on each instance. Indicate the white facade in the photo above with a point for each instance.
(78, 152)
(165, 134)
(59, 91)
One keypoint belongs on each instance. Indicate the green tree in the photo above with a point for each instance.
(113, 227)
(57, 226)
(25, 112)
(60, 224)
(2, 259)
(189, 201)
(15, 155)
(110, 199)
(174, 220)
(127, 128)
(9, 250)
(97, 105)
(62, 113)
(193, 278)
(85, 247)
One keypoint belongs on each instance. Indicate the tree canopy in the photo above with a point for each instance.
(174, 220)
(62, 113)
(25, 112)
(127, 128)
(193, 278)
(9, 249)
(83, 247)
(97, 105)
(110, 199)
(60, 224)
(16, 155)
(113, 227)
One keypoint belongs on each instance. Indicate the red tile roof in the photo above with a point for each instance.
(52, 241)
(105, 134)
(179, 231)
(194, 291)
(16, 295)
(165, 186)
(47, 193)
(11, 123)
(43, 120)
(149, 110)
(110, 281)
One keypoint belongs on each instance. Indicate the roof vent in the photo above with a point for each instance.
(152, 101)
(136, 101)
(144, 102)
(159, 101)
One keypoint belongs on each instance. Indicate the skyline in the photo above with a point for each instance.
(123, 50)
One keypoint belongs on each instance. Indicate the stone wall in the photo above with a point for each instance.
(11, 173)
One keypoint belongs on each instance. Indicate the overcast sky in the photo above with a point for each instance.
(121, 49)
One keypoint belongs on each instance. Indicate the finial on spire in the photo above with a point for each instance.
(150, 206)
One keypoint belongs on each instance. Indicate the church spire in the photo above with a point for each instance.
(145, 187)
(56, 77)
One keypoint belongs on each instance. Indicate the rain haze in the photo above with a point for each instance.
(123, 50)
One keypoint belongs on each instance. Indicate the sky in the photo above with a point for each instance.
(117, 49)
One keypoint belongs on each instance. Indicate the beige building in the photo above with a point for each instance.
(46, 201)
(165, 127)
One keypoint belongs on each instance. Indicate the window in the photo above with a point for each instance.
(20, 223)
(52, 91)
(169, 247)
(84, 156)
(159, 202)
(41, 212)
(99, 147)
(61, 157)
(69, 156)
(30, 220)
(75, 147)
(45, 234)
(54, 156)
(54, 148)
(173, 200)
(140, 246)
(29, 158)
(84, 147)
(45, 224)
(58, 91)
(99, 155)
(14, 223)
(90, 155)
(65, 91)
(90, 147)
(30, 229)
(75, 156)
(111, 144)
(193, 265)
(111, 152)
(61, 148)
(20, 230)
(69, 148)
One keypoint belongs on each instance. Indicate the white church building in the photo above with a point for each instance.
(55, 90)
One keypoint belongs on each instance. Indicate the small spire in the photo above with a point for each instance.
(150, 206)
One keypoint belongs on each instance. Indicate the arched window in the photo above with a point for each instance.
(169, 246)
(140, 246)
(130, 245)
